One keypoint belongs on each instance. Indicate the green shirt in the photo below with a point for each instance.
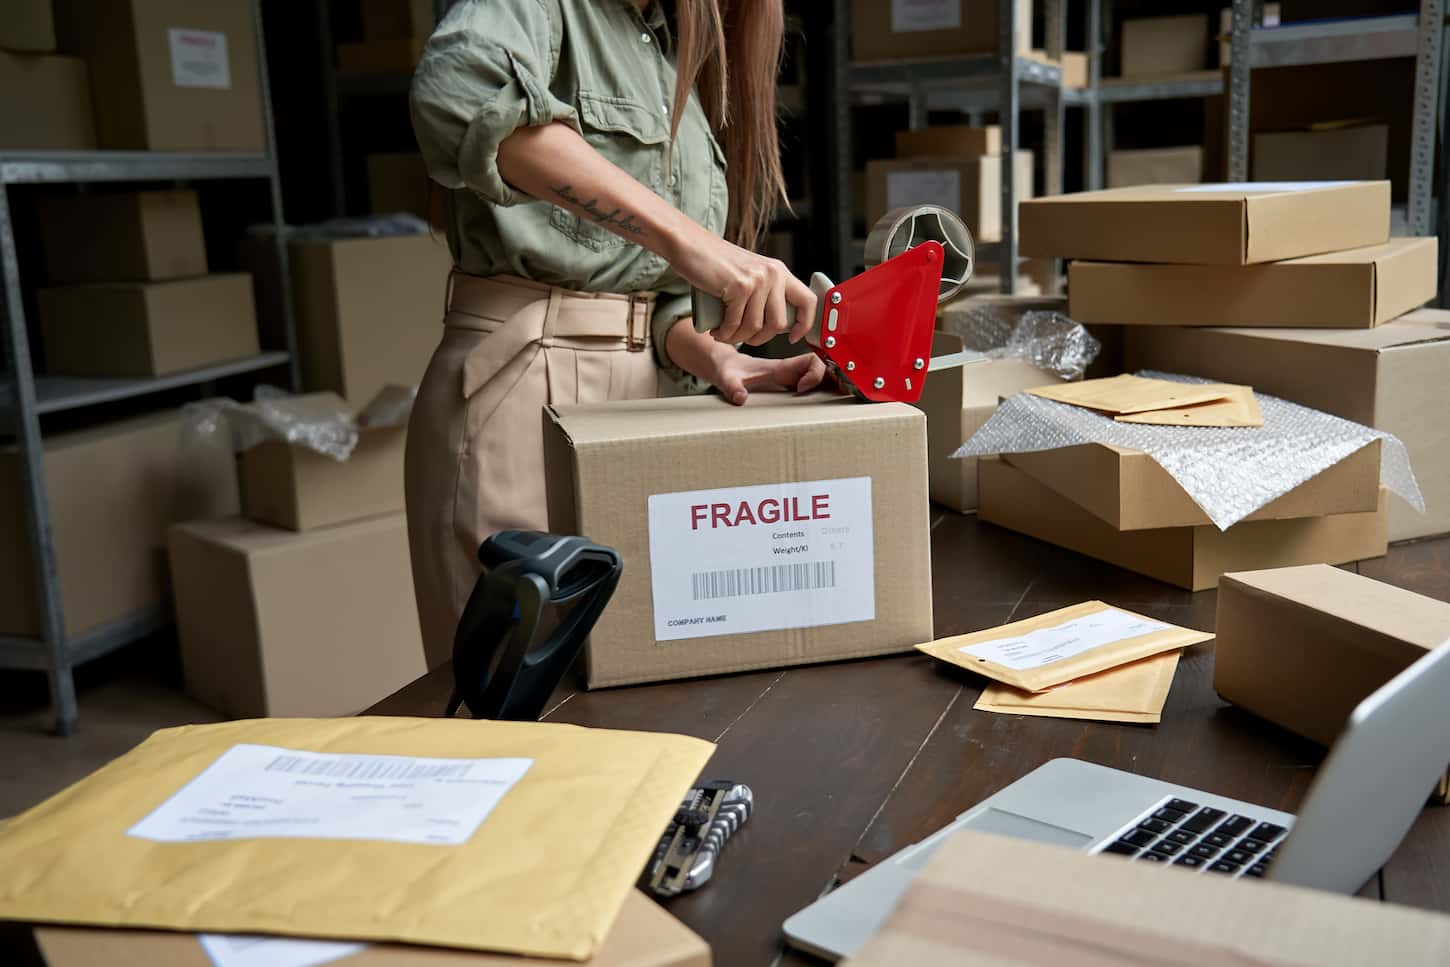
(607, 70)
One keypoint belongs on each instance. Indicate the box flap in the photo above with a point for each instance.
(1420, 326)
(1358, 600)
(589, 424)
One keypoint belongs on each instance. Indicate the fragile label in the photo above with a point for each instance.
(743, 559)
(266, 792)
(1047, 645)
(242, 950)
(199, 59)
(910, 16)
(1263, 186)
(942, 187)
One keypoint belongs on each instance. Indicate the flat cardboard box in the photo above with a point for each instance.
(290, 486)
(645, 935)
(276, 623)
(1189, 557)
(949, 141)
(904, 29)
(390, 19)
(957, 403)
(1155, 166)
(399, 183)
(27, 26)
(369, 311)
(789, 562)
(113, 490)
(969, 186)
(1357, 289)
(132, 236)
(141, 330)
(1391, 377)
(169, 75)
(45, 104)
(1211, 224)
(1328, 152)
(1164, 45)
(1129, 490)
(397, 56)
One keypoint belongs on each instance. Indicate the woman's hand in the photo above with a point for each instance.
(735, 374)
(762, 299)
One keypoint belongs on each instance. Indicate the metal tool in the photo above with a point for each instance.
(875, 330)
(686, 856)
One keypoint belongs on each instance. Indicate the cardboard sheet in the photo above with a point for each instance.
(545, 874)
(1239, 408)
(1062, 646)
(1132, 394)
(1133, 693)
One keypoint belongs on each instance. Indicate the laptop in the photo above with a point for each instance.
(1364, 799)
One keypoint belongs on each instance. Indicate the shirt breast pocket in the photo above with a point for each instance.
(635, 139)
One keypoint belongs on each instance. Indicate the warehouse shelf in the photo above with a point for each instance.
(56, 167)
(54, 394)
(1120, 90)
(986, 68)
(1335, 41)
(30, 653)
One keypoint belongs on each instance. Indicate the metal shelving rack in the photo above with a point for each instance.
(25, 397)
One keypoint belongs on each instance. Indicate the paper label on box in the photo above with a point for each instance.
(936, 186)
(910, 16)
(1047, 645)
(1264, 186)
(199, 59)
(266, 792)
(242, 950)
(744, 559)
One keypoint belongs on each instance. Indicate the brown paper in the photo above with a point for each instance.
(1132, 394)
(1133, 693)
(1239, 408)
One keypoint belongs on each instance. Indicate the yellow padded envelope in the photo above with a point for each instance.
(1133, 693)
(545, 874)
(1132, 394)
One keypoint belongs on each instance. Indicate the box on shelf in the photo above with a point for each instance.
(133, 236)
(1164, 45)
(27, 26)
(794, 530)
(291, 486)
(400, 183)
(388, 19)
(1129, 490)
(1391, 377)
(169, 75)
(957, 402)
(1355, 289)
(1332, 151)
(398, 56)
(1073, 63)
(1155, 166)
(904, 29)
(1189, 557)
(271, 622)
(113, 490)
(45, 104)
(1212, 224)
(949, 140)
(972, 187)
(142, 330)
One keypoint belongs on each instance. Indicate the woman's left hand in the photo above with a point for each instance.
(736, 374)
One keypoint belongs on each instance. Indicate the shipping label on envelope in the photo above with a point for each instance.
(1061, 646)
(1133, 693)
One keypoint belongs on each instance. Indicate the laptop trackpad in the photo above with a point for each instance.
(1011, 824)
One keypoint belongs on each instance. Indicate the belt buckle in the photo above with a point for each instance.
(636, 341)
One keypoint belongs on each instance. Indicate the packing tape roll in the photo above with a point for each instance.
(902, 228)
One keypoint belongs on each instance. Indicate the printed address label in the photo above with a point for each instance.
(1043, 646)
(741, 559)
(910, 16)
(199, 59)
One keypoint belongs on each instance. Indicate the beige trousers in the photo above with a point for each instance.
(475, 460)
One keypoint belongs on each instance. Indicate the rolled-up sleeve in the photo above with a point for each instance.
(484, 74)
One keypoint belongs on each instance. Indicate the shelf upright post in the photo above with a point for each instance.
(1009, 114)
(840, 126)
(1238, 91)
(1094, 149)
(1428, 53)
(279, 222)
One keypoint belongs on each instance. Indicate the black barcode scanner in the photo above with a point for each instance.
(498, 671)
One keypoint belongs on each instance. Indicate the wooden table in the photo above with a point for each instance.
(851, 761)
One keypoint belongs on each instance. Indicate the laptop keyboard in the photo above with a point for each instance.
(1201, 838)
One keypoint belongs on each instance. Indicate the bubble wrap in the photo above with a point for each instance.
(1230, 472)
(324, 427)
(1048, 340)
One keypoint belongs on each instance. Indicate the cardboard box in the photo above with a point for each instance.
(1164, 45)
(398, 56)
(949, 141)
(1325, 152)
(1129, 490)
(113, 491)
(169, 75)
(1391, 377)
(1189, 557)
(794, 530)
(142, 330)
(897, 29)
(276, 623)
(400, 183)
(1357, 289)
(133, 236)
(1155, 166)
(369, 311)
(28, 26)
(972, 187)
(1218, 224)
(390, 19)
(957, 402)
(1073, 64)
(45, 104)
(290, 486)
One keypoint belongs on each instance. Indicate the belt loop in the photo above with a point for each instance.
(636, 341)
(551, 314)
(448, 291)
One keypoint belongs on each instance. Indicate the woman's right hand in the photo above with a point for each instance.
(762, 298)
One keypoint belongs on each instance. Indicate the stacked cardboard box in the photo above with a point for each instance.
(394, 32)
(399, 182)
(45, 99)
(904, 29)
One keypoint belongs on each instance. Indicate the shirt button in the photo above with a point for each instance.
(644, 38)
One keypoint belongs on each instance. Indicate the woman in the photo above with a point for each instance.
(583, 143)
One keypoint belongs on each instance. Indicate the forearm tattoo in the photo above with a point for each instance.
(616, 219)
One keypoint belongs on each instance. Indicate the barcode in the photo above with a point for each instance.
(747, 581)
(393, 767)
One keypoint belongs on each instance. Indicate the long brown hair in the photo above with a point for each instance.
(739, 99)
